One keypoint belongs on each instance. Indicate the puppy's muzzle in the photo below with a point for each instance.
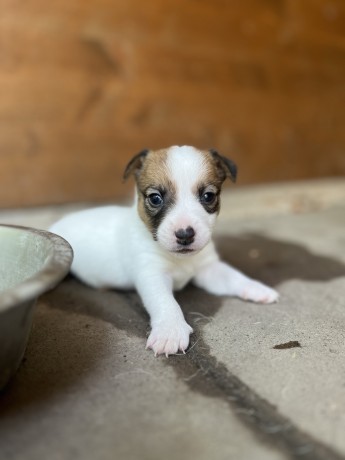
(185, 236)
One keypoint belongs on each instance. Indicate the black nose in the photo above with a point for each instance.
(185, 236)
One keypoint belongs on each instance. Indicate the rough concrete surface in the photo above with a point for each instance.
(88, 389)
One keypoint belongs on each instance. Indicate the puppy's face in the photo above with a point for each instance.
(179, 194)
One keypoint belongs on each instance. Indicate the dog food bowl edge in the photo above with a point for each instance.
(31, 262)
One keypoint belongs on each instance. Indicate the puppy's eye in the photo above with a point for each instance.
(155, 200)
(209, 198)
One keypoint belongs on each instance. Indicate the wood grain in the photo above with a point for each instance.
(84, 85)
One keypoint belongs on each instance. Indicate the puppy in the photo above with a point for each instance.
(163, 241)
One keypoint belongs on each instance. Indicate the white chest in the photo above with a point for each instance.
(181, 274)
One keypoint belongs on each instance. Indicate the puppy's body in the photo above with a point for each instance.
(113, 249)
(162, 242)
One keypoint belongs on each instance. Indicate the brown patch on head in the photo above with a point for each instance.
(154, 171)
(152, 178)
(217, 169)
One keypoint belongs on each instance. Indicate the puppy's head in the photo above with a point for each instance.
(179, 194)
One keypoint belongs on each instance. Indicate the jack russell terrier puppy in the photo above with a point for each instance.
(163, 241)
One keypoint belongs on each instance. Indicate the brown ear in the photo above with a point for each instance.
(226, 166)
(136, 163)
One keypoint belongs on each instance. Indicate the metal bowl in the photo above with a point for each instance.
(31, 262)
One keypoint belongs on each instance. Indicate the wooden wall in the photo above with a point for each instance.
(84, 84)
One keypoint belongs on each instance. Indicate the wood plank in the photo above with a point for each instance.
(85, 85)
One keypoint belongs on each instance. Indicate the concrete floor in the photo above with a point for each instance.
(88, 389)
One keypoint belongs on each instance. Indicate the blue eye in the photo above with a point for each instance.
(155, 200)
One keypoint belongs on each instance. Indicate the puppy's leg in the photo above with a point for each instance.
(170, 332)
(221, 279)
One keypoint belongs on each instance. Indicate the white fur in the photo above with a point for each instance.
(114, 249)
(186, 166)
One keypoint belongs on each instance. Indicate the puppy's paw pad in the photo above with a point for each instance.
(258, 292)
(165, 340)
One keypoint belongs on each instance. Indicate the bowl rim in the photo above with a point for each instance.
(54, 269)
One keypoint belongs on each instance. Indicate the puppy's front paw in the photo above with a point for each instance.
(167, 339)
(258, 292)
